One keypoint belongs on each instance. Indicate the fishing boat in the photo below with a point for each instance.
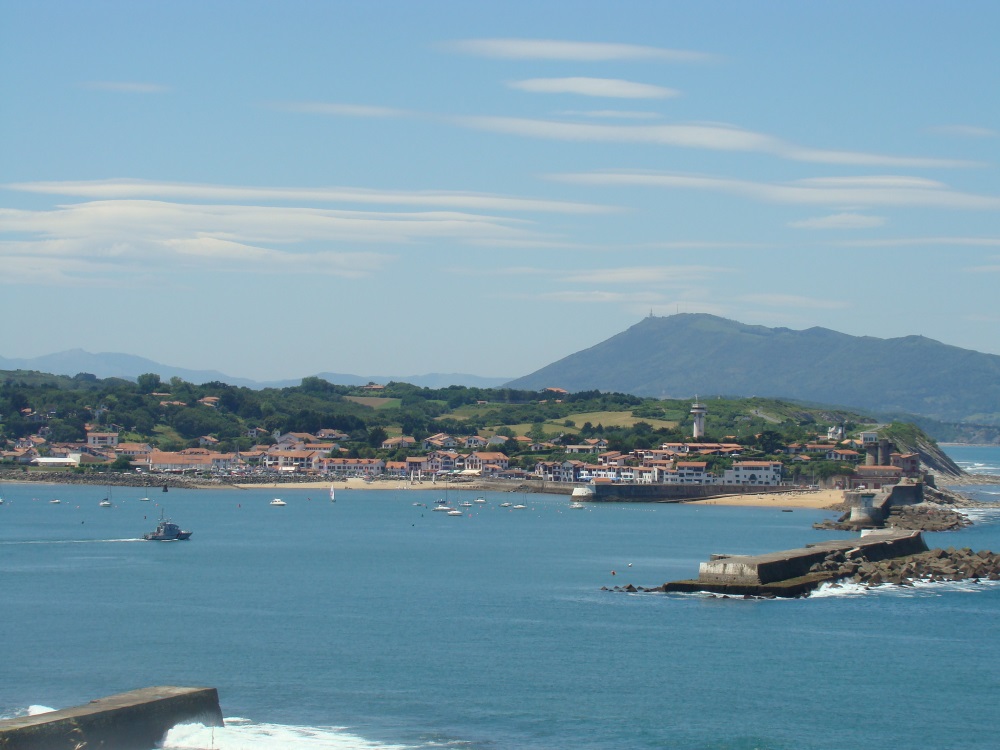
(166, 531)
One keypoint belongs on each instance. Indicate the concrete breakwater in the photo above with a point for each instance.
(794, 572)
(136, 720)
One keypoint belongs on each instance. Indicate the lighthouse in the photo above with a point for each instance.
(698, 412)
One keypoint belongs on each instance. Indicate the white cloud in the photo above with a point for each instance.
(965, 131)
(847, 191)
(643, 275)
(793, 301)
(553, 49)
(924, 242)
(138, 234)
(126, 188)
(711, 136)
(126, 87)
(839, 221)
(604, 87)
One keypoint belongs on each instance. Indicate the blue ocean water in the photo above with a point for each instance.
(375, 623)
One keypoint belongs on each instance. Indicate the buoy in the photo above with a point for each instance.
(630, 565)
(613, 573)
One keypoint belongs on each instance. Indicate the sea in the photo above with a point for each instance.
(374, 623)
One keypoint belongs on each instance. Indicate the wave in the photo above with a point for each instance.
(72, 541)
(243, 734)
(919, 588)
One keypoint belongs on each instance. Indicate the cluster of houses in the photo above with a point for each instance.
(683, 463)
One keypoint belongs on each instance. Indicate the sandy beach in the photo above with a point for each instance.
(820, 499)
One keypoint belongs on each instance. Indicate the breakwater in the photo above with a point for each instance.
(136, 720)
(793, 572)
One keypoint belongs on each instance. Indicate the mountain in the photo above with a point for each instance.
(129, 367)
(684, 355)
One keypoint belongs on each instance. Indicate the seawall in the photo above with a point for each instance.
(136, 720)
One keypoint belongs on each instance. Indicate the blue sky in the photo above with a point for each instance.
(278, 189)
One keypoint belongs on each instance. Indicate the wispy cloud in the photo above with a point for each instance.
(613, 88)
(934, 241)
(965, 131)
(126, 87)
(128, 188)
(710, 136)
(793, 301)
(839, 191)
(340, 109)
(839, 221)
(644, 275)
(139, 234)
(554, 49)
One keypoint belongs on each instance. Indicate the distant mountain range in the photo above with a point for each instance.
(684, 355)
(128, 366)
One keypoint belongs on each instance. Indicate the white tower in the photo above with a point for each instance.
(698, 412)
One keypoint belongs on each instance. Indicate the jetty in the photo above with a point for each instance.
(136, 720)
(794, 572)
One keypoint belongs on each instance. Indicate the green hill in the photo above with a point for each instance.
(684, 355)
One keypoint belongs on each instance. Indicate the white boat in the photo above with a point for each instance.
(506, 505)
(55, 500)
(143, 499)
(333, 499)
(105, 503)
(480, 501)
(465, 504)
(519, 507)
(442, 509)
(576, 506)
(278, 501)
(455, 513)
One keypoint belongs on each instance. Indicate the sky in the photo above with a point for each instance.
(273, 190)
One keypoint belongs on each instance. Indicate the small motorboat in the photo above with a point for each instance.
(519, 507)
(455, 513)
(480, 501)
(442, 509)
(506, 505)
(105, 503)
(55, 501)
(465, 504)
(166, 531)
(278, 501)
(576, 506)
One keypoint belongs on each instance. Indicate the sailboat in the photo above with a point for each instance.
(333, 499)
(106, 502)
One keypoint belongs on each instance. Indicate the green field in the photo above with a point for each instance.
(375, 402)
(553, 427)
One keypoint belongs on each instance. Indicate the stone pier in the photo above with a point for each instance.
(136, 720)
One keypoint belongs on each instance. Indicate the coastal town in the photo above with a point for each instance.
(867, 460)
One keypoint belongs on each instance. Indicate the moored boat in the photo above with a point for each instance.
(278, 501)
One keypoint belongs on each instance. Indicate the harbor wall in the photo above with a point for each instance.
(136, 720)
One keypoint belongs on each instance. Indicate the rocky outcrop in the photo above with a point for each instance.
(934, 565)
(923, 517)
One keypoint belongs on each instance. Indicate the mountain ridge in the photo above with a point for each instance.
(130, 366)
(687, 354)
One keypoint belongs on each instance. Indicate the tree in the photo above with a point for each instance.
(377, 436)
(148, 382)
(121, 464)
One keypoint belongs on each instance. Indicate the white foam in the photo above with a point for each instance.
(243, 734)
(35, 710)
(919, 588)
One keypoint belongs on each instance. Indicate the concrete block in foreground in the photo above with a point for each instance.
(136, 720)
